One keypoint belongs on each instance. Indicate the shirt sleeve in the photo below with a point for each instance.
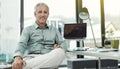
(60, 40)
(22, 44)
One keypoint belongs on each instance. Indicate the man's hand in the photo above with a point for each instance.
(57, 46)
(18, 63)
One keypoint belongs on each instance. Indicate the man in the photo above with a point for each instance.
(44, 44)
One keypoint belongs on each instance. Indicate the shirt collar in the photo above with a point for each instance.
(36, 26)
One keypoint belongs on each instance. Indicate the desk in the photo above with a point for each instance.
(107, 54)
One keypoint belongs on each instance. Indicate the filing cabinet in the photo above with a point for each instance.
(83, 63)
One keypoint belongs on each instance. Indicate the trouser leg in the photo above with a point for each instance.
(51, 59)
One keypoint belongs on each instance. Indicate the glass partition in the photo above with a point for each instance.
(9, 26)
(112, 21)
(94, 12)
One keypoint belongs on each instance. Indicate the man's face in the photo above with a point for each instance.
(41, 14)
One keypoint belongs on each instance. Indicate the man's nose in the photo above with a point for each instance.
(42, 14)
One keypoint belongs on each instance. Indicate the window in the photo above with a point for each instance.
(94, 12)
(9, 25)
(112, 19)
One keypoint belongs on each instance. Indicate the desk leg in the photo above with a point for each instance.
(99, 63)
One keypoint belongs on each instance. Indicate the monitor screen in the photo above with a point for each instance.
(75, 31)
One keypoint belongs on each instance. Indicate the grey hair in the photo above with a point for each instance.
(40, 4)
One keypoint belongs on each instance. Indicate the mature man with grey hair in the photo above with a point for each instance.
(45, 46)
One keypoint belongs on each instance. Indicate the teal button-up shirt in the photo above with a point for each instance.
(37, 40)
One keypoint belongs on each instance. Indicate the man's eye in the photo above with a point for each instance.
(45, 11)
(40, 12)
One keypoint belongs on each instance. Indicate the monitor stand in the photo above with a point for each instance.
(80, 45)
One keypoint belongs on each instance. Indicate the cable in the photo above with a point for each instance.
(93, 33)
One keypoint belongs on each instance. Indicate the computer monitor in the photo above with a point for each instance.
(75, 31)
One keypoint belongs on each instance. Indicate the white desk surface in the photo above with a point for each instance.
(104, 54)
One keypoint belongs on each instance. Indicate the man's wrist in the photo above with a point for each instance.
(18, 57)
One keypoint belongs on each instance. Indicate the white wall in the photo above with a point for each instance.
(9, 25)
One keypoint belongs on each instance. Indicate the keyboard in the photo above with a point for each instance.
(80, 49)
(106, 50)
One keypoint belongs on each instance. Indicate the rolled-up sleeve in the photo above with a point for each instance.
(60, 40)
(22, 45)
